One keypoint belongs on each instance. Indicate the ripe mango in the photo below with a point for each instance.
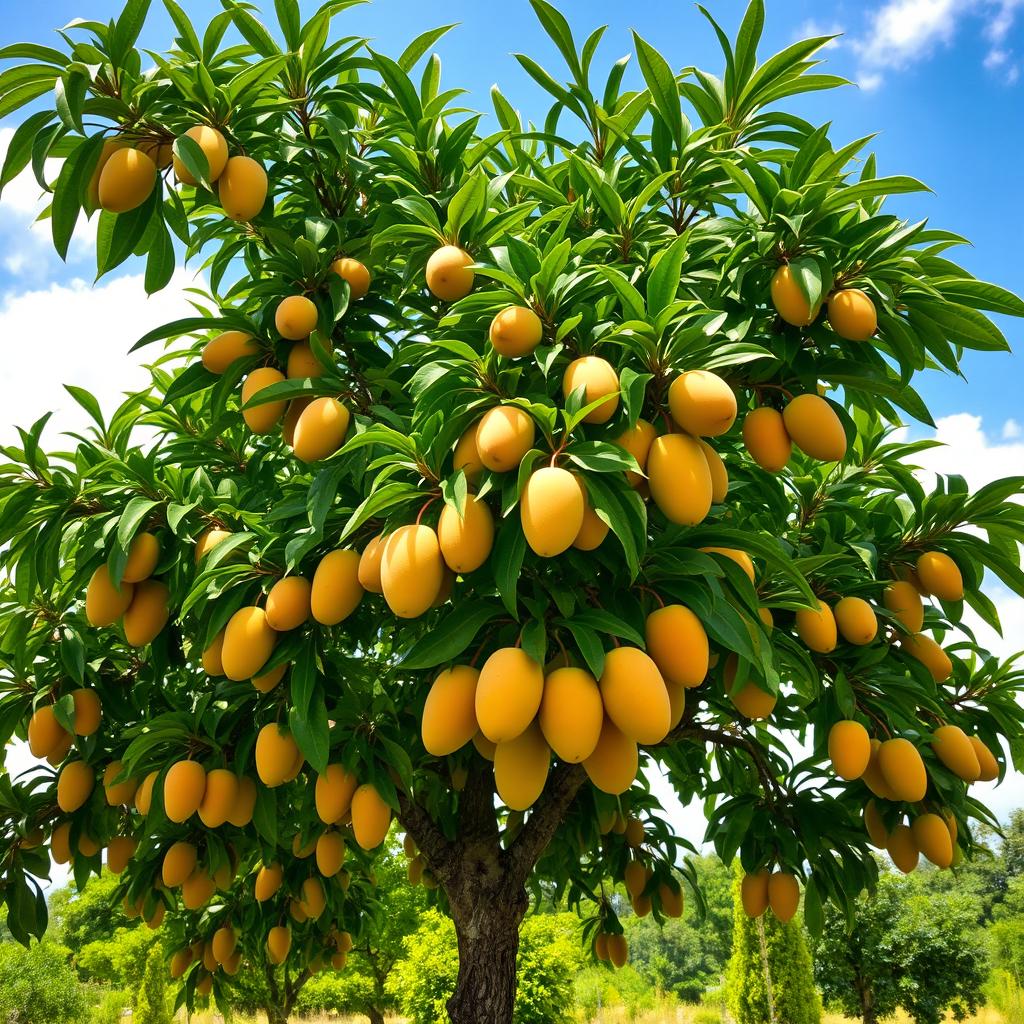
(268, 881)
(571, 713)
(466, 540)
(110, 147)
(184, 786)
(74, 785)
(44, 731)
(677, 701)
(515, 331)
(411, 570)
(88, 711)
(551, 510)
(856, 620)
(670, 895)
(181, 961)
(924, 649)
(242, 188)
(214, 148)
(126, 181)
(484, 747)
(634, 695)
(878, 834)
(903, 770)
(754, 892)
(261, 419)
(57, 755)
(599, 380)
(368, 572)
(593, 530)
(60, 843)
(279, 942)
(204, 985)
(504, 435)
(148, 613)
(508, 694)
(224, 942)
(719, 474)
(302, 362)
(208, 540)
(288, 603)
(873, 777)
(371, 817)
(333, 793)
(357, 276)
(741, 558)
(144, 794)
(931, 836)
(613, 765)
(336, 592)
(817, 628)
(988, 765)
(466, 457)
(449, 715)
(940, 576)
(179, 862)
(849, 749)
(702, 403)
(902, 849)
(320, 430)
(119, 852)
(637, 440)
(245, 802)
(296, 407)
(105, 603)
(197, 890)
(766, 438)
(789, 301)
(249, 641)
(783, 895)
(212, 657)
(118, 793)
(680, 479)
(852, 314)
(276, 754)
(330, 854)
(296, 317)
(521, 768)
(677, 642)
(143, 555)
(954, 749)
(815, 428)
(902, 598)
(449, 273)
(618, 950)
(219, 797)
(753, 702)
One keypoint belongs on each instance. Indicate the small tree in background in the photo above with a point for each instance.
(770, 978)
(38, 986)
(151, 1005)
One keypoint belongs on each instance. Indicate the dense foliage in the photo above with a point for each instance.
(599, 430)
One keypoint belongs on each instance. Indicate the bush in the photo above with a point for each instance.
(39, 986)
(1004, 992)
(334, 992)
(151, 1007)
(110, 1005)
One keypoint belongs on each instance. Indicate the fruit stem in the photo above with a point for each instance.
(430, 501)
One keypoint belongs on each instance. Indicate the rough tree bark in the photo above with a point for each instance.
(282, 997)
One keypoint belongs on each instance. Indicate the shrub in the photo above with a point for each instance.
(110, 1005)
(151, 1006)
(38, 985)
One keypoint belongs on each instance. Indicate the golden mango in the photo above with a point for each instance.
(330, 854)
(450, 273)
(302, 362)
(484, 747)
(466, 457)
(276, 754)
(110, 147)
(592, 531)
(637, 440)
(741, 558)
(144, 794)
(249, 641)
(931, 836)
(849, 749)
(987, 763)
(515, 331)
(355, 273)
(503, 436)
(333, 793)
(219, 797)
(783, 895)
(371, 817)
(677, 702)
(105, 603)
(60, 843)
(126, 181)
(873, 777)
(753, 702)
(852, 314)
(466, 540)
(902, 849)
(599, 381)
(184, 786)
(368, 572)
(213, 656)
(148, 613)
(215, 149)
(411, 570)
(336, 592)
(224, 942)
(296, 317)
(878, 834)
(261, 419)
(571, 713)
(634, 695)
(671, 898)
(57, 755)
(613, 765)
(754, 892)
(677, 642)
(245, 802)
(288, 603)
(181, 961)
(508, 694)
(903, 599)
(618, 950)
(551, 510)
(718, 471)
(766, 438)
(119, 852)
(197, 890)
(921, 647)
(320, 430)
(856, 620)
(208, 540)
(449, 715)
(143, 555)
(118, 793)
(521, 768)
(74, 785)
(954, 749)
(680, 479)
(815, 428)
(179, 862)
(903, 770)
(45, 733)
(88, 711)
(702, 403)
(940, 576)
(242, 188)
(268, 881)
(279, 943)
(817, 628)
(789, 300)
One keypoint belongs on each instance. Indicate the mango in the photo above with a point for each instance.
(878, 834)
(355, 273)
(320, 430)
(680, 479)
(224, 942)
(288, 603)
(105, 603)
(242, 188)
(741, 558)
(88, 711)
(450, 273)
(618, 950)
(219, 797)
(504, 435)
(368, 571)
(635, 832)
(484, 747)
(753, 702)
(148, 613)
(551, 510)
(677, 642)
(754, 892)
(815, 428)
(852, 314)
(143, 555)
(179, 862)
(333, 793)
(849, 749)
(74, 785)
(279, 942)
(449, 715)
(330, 854)
(783, 895)
(466, 457)
(126, 181)
(466, 540)
(931, 836)
(204, 985)
(268, 881)
(613, 765)
(601, 947)
(634, 695)
(57, 755)
(521, 768)
(296, 407)
(954, 749)
(924, 649)
(296, 317)
(766, 439)
(215, 149)
(671, 898)
(198, 889)
(336, 592)
(677, 702)
(702, 403)
(902, 849)
(599, 381)
(118, 793)
(988, 765)
(873, 777)
(110, 147)
(144, 794)
(261, 419)
(571, 713)
(789, 301)
(276, 754)
(592, 531)
(44, 731)
(119, 852)
(634, 877)
(817, 628)
(508, 694)
(208, 540)
(515, 331)
(411, 570)
(637, 440)
(940, 576)
(60, 843)
(249, 641)
(302, 362)
(181, 961)
(371, 817)
(903, 770)
(245, 802)
(856, 620)
(902, 598)
(184, 786)
(718, 471)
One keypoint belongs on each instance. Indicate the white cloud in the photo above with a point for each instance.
(812, 27)
(1011, 430)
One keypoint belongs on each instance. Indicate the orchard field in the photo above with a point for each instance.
(512, 481)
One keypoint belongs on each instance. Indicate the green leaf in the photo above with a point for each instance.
(160, 262)
(132, 518)
(663, 282)
(419, 46)
(312, 732)
(661, 82)
(450, 637)
(469, 201)
(302, 680)
(507, 559)
(69, 192)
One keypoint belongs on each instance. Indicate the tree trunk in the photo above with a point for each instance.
(867, 1001)
(276, 1014)
(487, 928)
(375, 1015)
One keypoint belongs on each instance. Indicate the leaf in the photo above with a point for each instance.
(312, 732)
(661, 82)
(160, 263)
(419, 46)
(557, 28)
(302, 680)
(507, 559)
(603, 621)
(132, 518)
(663, 282)
(450, 637)
(466, 203)
(264, 814)
(69, 192)
(19, 149)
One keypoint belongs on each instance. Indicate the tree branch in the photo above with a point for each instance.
(430, 840)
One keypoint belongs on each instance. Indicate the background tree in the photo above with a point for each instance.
(908, 947)
(38, 986)
(476, 429)
(151, 1005)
